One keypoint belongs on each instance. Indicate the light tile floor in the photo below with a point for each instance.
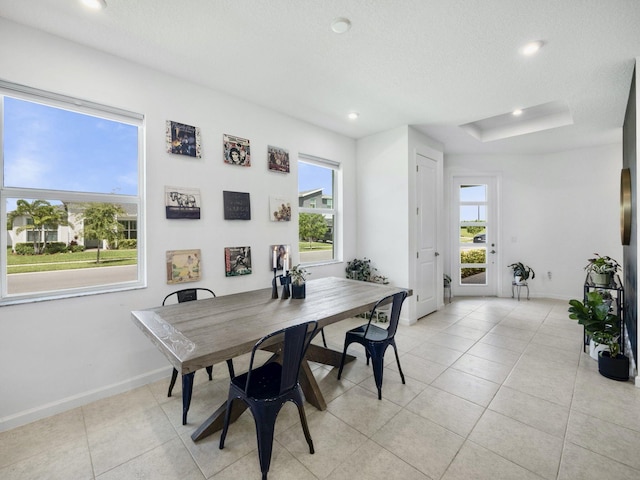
(496, 389)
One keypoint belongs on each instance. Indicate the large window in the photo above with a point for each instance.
(70, 190)
(317, 216)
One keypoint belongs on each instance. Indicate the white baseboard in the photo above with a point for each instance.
(69, 403)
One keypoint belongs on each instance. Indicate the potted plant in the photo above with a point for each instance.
(522, 272)
(298, 282)
(362, 270)
(601, 269)
(611, 363)
(598, 322)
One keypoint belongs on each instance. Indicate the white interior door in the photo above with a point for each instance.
(427, 189)
(474, 239)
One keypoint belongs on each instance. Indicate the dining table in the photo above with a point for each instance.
(194, 335)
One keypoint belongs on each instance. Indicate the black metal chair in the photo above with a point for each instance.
(188, 295)
(376, 340)
(266, 388)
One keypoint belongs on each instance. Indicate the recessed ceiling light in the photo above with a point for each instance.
(517, 112)
(531, 48)
(95, 4)
(353, 115)
(341, 25)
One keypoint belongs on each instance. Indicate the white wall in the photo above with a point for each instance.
(556, 211)
(63, 353)
(386, 204)
(382, 226)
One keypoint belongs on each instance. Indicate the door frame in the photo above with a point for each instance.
(494, 285)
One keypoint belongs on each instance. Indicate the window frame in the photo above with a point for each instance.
(80, 106)
(334, 211)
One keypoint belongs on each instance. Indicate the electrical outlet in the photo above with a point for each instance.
(549, 275)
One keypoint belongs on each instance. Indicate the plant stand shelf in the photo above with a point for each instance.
(516, 287)
(616, 290)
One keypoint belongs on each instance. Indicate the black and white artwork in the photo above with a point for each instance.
(181, 202)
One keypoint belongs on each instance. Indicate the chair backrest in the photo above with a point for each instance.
(397, 300)
(292, 344)
(188, 294)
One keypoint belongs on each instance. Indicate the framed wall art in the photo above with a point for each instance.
(278, 159)
(182, 202)
(237, 151)
(280, 257)
(183, 139)
(237, 205)
(183, 266)
(279, 209)
(237, 261)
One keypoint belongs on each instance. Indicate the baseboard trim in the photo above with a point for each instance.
(84, 398)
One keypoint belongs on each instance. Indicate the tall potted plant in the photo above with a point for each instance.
(593, 314)
(603, 328)
(601, 269)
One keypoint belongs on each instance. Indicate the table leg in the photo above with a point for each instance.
(216, 421)
(318, 354)
(310, 387)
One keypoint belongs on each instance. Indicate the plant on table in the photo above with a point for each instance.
(298, 275)
(298, 282)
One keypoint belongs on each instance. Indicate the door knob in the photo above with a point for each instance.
(437, 254)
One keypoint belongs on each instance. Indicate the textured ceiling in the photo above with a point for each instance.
(433, 64)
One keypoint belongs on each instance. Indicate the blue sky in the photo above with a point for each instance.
(51, 148)
(311, 177)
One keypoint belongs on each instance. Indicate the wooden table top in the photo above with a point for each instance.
(193, 335)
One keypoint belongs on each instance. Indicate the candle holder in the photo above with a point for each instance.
(285, 280)
(274, 285)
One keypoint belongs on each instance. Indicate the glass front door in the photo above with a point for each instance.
(475, 236)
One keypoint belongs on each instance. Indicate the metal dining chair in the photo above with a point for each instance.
(266, 388)
(376, 340)
(188, 295)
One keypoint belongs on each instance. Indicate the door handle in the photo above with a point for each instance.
(437, 254)
(492, 251)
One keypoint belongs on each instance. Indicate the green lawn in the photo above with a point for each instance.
(69, 261)
(305, 247)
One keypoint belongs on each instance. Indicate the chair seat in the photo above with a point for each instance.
(263, 386)
(375, 333)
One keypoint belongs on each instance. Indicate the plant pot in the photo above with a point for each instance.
(517, 279)
(615, 368)
(601, 279)
(596, 348)
(299, 291)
